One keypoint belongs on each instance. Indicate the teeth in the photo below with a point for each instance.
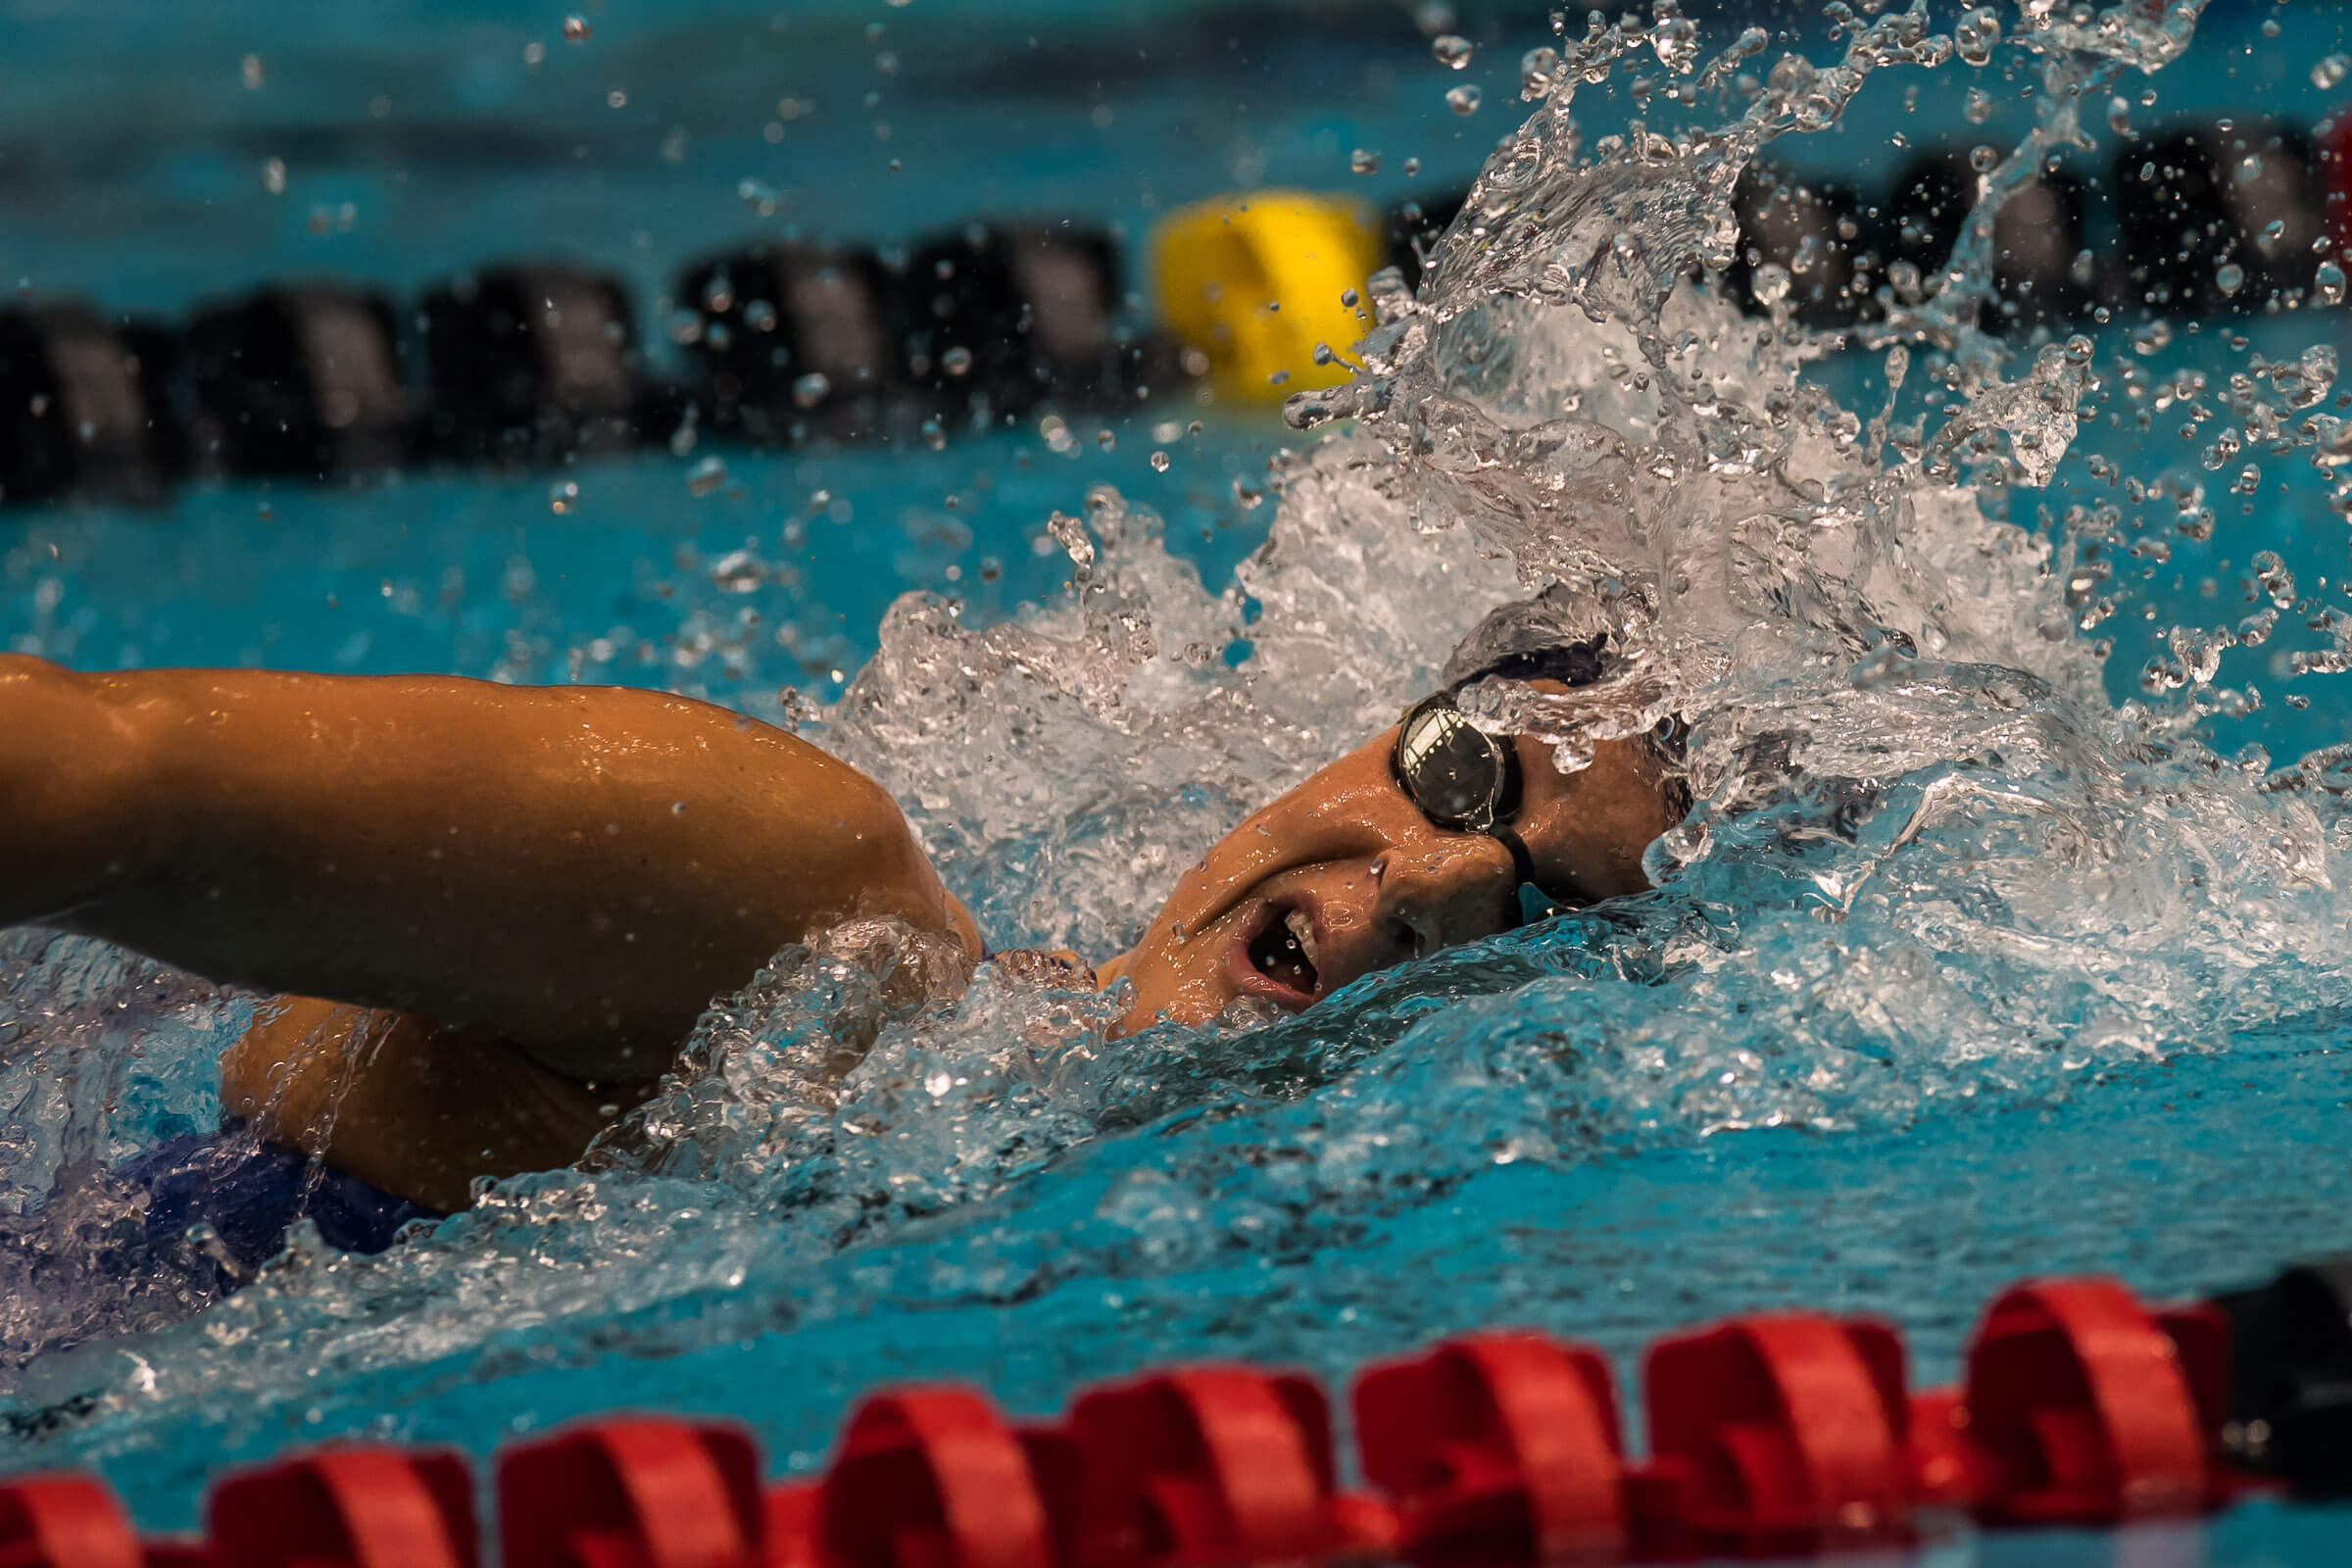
(1304, 930)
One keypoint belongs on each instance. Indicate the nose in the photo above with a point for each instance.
(1441, 890)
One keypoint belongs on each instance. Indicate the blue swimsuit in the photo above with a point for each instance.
(251, 1197)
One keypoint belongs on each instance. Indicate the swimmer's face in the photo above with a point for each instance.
(1345, 875)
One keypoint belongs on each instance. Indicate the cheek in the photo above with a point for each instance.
(1351, 904)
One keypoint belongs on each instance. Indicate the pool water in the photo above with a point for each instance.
(1724, 1100)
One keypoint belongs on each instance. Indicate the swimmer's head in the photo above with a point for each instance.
(1394, 851)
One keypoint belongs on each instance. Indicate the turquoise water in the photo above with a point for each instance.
(1716, 1103)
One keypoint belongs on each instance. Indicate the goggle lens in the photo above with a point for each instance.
(1455, 773)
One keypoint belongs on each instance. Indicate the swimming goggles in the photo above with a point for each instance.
(1465, 780)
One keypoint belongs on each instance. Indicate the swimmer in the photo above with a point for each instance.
(490, 914)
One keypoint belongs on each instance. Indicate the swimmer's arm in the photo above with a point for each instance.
(576, 869)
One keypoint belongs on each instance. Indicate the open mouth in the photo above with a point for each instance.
(1281, 956)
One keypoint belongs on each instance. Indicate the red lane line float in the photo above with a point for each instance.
(924, 1478)
(347, 1507)
(632, 1493)
(2082, 1409)
(1497, 1447)
(1788, 1433)
(64, 1521)
(1781, 1434)
(1207, 1465)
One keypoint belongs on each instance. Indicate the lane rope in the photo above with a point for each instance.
(1251, 298)
(1781, 1434)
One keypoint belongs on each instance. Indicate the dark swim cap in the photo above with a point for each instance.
(1550, 637)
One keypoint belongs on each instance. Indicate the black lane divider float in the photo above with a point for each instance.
(1788, 1433)
(535, 365)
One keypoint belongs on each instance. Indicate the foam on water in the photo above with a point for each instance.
(1933, 870)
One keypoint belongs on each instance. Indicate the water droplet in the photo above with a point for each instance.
(1363, 161)
(576, 29)
(1463, 100)
(562, 496)
(807, 391)
(1536, 69)
(705, 476)
(1973, 39)
(2329, 283)
(2331, 71)
(738, 573)
(956, 361)
(1159, 462)
(1450, 50)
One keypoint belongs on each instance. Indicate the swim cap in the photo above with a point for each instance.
(1550, 637)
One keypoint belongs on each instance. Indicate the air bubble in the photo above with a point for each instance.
(1363, 161)
(2328, 282)
(2331, 71)
(1463, 100)
(576, 29)
(1450, 50)
(934, 435)
(2229, 277)
(562, 496)
(1159, 462)
(956, 361)
(808, 390)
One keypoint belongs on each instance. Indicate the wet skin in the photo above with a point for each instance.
(491, 915)
(1375, 883)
